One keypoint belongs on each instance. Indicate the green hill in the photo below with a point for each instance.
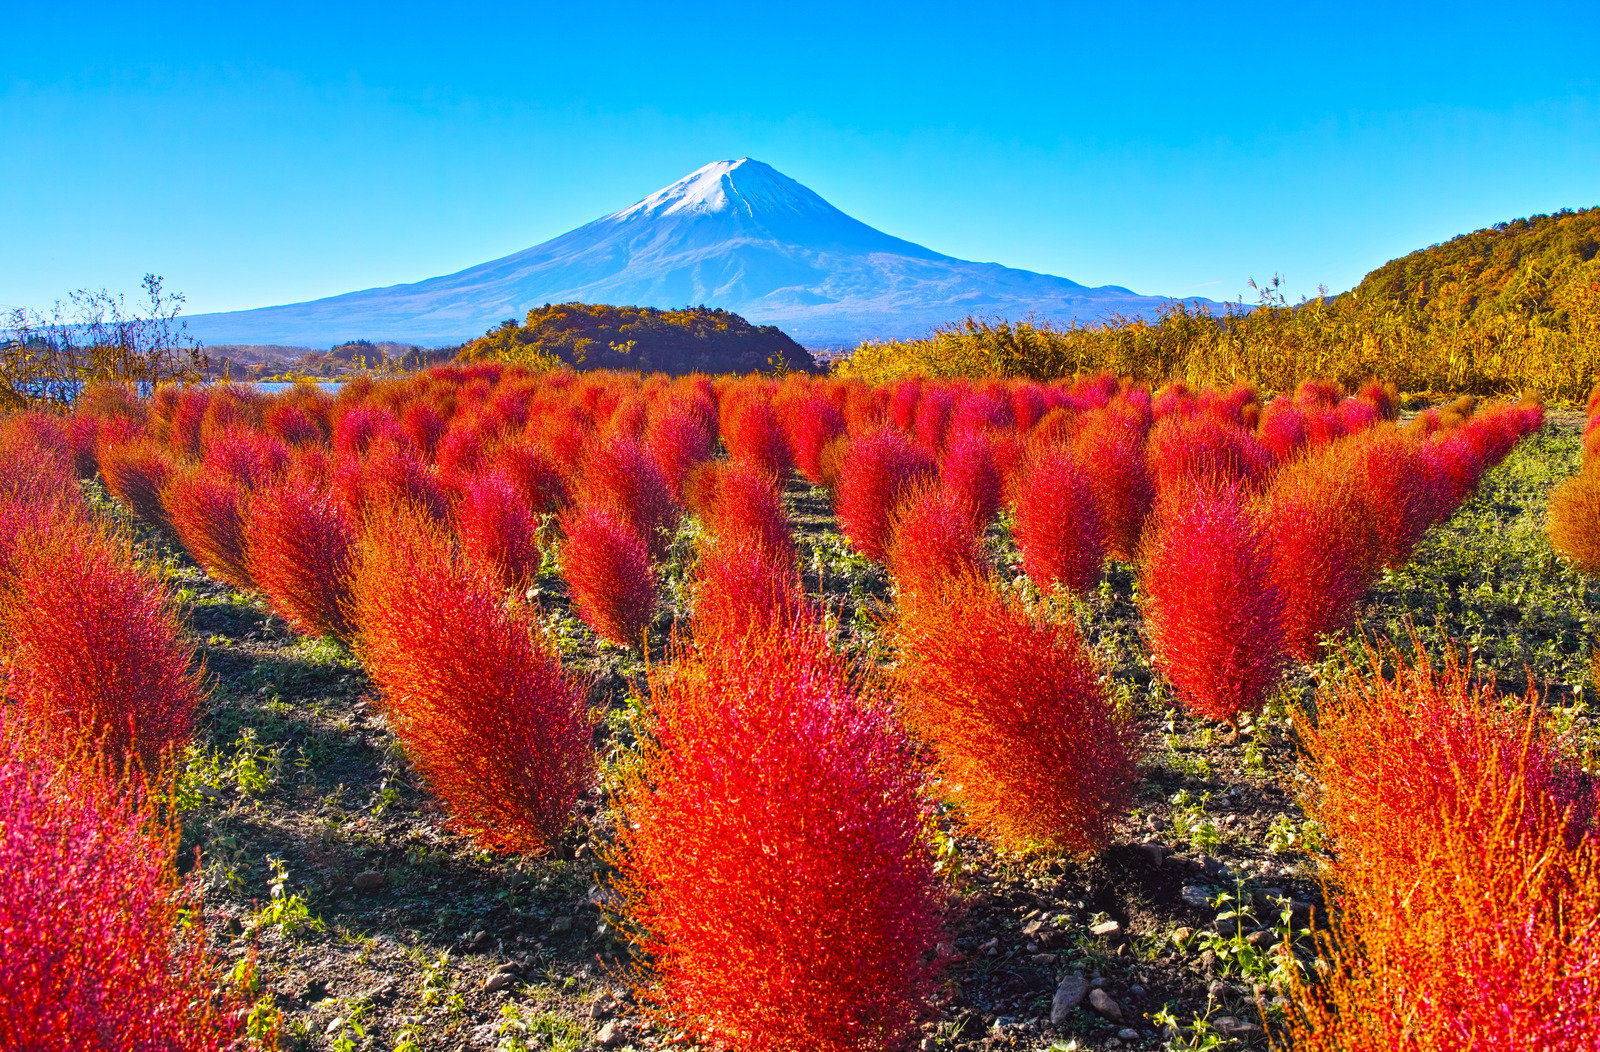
(597, 336)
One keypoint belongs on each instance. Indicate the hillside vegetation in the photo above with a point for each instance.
(598, 336)
(1510, 308)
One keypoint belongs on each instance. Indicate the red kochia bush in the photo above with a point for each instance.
(739, 586)
(878, 471)
(971, 477)
(538, 480)
(388, 474)
(1027, 742)
(1058, 526)
(134, 472)
(1185, 449)
(298, 542)
(1211, 610)
(677, 440)
(207, 513)
(94, 954)
(745, 508)
(1323, 548)
(498, 533)
(754, 436)
(771, 855)
(98, 655)
(1111, 453)
(813, 423)
(621, 476)
(607, 570)
(486, 715)
(933, 539)
(1393, 481)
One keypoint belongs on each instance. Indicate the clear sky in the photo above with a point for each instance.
(263, 153)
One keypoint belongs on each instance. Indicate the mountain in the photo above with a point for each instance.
(737, 235)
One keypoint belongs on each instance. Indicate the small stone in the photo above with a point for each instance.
(1208, 961)
(1299, 913)
(610, 1035)
(367, 880)
(1102, 1002)
(1153, 852)
(498, 981)
(1069, 995)
(1263, 939)
(1227, 926)
(1228, 1026)
(334, 1025)
(1199, 898)
(1128, 1033)
(1178, 860)
(478, 941)
(991, 947)
(1107, 929)
(509, 968)
(1182, 935)
(560, 925)
(1136, 990)
(1043, 959)
(1032, 928)
(1218, 990)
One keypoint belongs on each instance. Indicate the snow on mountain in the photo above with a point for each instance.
(734, 234)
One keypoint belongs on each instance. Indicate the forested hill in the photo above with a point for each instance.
(597, 336)
(1527, 267)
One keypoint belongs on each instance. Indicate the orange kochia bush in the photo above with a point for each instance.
(1027, 742)
(1465, 870)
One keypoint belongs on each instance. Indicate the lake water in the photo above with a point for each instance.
(279, 386)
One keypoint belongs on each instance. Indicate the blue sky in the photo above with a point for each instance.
(256, 154)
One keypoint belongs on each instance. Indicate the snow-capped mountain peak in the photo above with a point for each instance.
(743, 186)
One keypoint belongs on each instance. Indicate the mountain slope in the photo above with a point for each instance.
(737, 235)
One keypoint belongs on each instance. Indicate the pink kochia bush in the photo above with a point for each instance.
(607, 570)
(879, 470)
(479, 699)
(1058, 524)
(298, 544)
(498, 532)
(98, 658)
(93, 953)
(1212, 613)
(773, 867)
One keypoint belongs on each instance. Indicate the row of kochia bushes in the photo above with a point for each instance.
(772, 855)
